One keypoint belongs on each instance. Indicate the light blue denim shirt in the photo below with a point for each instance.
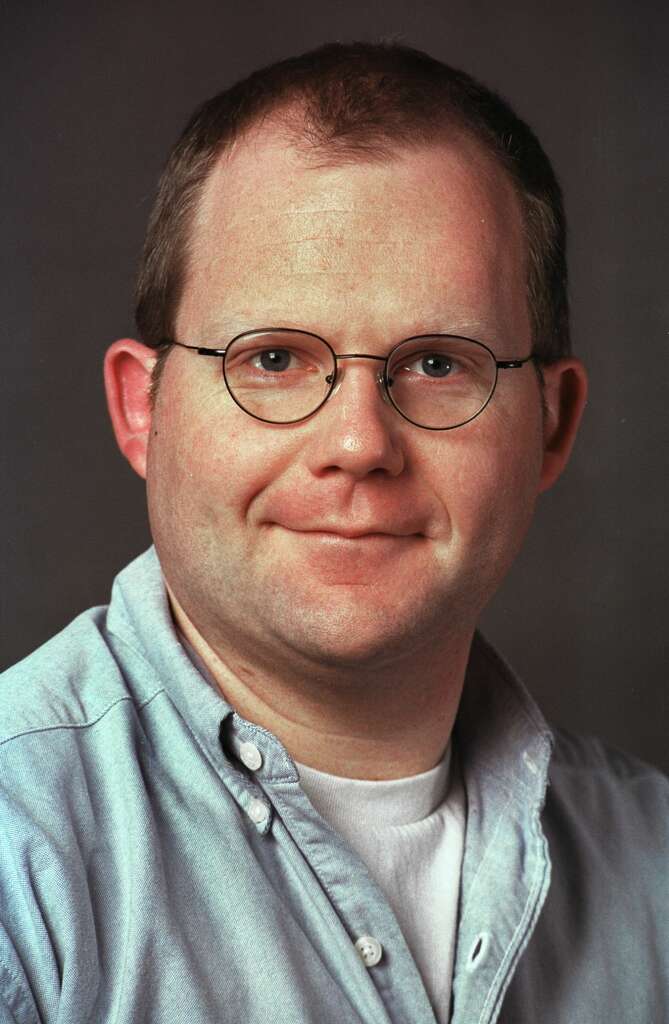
(148, 875)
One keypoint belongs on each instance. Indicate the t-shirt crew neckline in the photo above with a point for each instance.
(377, 804)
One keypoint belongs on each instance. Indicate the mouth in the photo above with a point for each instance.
(346, 543)
(354, 533)
(339, 555)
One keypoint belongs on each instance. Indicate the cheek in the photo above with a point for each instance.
(491, 480)
(207, 463)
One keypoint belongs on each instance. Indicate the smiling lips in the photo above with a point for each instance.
(349, 532)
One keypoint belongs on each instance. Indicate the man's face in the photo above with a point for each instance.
(250, 518)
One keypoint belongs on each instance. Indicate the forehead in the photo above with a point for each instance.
(439, 225)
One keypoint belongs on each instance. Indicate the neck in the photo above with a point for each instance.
(384, 722)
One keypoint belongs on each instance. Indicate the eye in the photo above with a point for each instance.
(274, 360)
(436, 364)
(431, 364)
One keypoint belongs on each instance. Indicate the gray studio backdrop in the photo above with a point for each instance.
(94, 93)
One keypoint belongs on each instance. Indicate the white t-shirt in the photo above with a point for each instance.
(410, 834)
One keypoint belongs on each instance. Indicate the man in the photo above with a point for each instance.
(280, 777)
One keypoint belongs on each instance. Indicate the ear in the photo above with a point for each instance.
(128, 366)
(565, 393)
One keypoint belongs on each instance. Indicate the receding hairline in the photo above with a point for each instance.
(286, 125)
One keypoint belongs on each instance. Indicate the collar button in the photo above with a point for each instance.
(250, 756)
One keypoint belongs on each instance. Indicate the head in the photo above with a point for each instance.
(366, 194)
(355, 103)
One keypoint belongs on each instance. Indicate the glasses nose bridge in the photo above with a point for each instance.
(380, 377)
(359, 355)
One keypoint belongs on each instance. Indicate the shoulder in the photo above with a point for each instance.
(599, 948)
(595, 767)
(54, 706)
(68, 683)
(610, 803)
(72, 717)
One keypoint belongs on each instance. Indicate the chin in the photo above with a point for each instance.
(359, 633)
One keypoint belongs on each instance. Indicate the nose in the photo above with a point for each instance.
(357, 431)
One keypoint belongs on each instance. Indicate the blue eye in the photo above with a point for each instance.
(435, 364)
(274, 359)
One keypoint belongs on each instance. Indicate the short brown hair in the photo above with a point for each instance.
(357, 101)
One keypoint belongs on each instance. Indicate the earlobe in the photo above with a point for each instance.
(127, 369)
(565, 393)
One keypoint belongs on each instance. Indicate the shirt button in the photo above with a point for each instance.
(370, 950)
(258, 811)
(250, 756)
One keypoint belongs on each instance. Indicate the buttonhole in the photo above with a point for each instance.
(478, 951)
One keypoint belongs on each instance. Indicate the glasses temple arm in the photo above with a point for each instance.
(513, 364)
(196, 348)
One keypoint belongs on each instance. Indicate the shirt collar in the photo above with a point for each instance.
(501, 735)
(139, 619)
(139, 615)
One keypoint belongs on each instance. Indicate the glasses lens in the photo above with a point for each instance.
(278, 376)
(441, 382)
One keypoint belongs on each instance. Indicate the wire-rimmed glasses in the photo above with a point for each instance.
(435, 381)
